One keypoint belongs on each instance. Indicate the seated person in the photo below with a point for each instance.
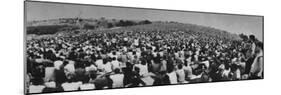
(117, 78)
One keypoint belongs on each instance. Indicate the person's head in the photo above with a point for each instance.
(117, 71)
(143, 62)
(40, 66)
(105, 61)
(180, 66)
(259, 45)
(114, 53)
(234, 67)
(227, 66)
(114, 58)
(252, 37)
(137, 69)
(134, 52)
(119, 59)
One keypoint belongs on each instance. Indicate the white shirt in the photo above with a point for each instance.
(154, 54)
(153, 48)
(49, 73)
(125, 49)
(181, 75)
(107, 67)
(36, 88)
(87, 86)
(70, 68)
(164, 65)
(237, 74)
(188, 69)
(206, 63)
(225, 73)
(115, 64)
(112, 56)
(138, 54)
(143, 69)
(71, 86)
(173, 77)
(117, 80)
(39, 60)
(176, 55)
(136, 42)
(148, 80)
(118, 54)
(257, 66)
(99, 63)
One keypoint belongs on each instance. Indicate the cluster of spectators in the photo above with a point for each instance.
(138, 58)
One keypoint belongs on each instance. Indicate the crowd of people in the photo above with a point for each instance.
(138, 58)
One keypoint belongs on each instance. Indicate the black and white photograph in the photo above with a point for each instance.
(81, 47)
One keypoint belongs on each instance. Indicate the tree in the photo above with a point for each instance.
(88, 26)
(120, 23)
(109, 25)
(145, 22)
(243, 37)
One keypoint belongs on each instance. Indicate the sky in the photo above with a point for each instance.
(232, 23)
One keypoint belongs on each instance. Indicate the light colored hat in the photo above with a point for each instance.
(91, 68)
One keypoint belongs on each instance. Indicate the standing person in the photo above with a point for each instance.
(257, 66)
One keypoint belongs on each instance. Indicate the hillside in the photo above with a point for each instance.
(75, 26)
(53, 26)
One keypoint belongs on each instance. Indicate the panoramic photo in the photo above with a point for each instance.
(77, 47)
